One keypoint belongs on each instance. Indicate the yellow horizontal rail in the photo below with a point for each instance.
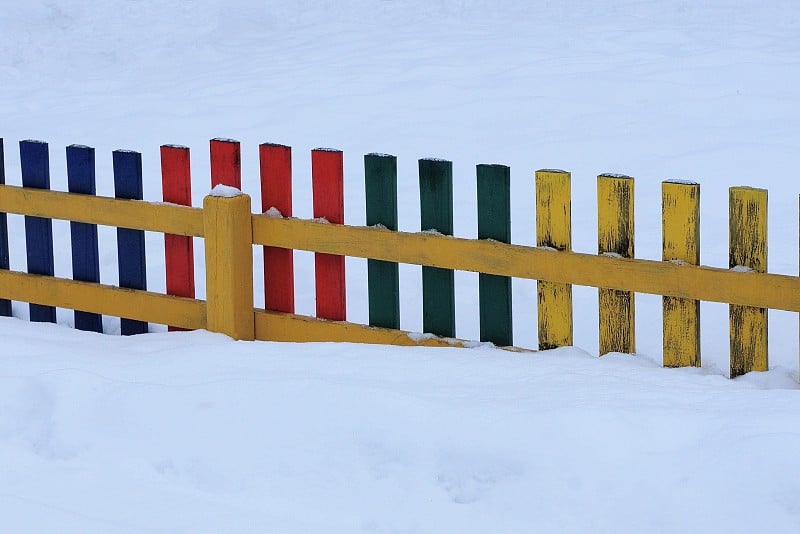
(774, 291)
(100, 298)
(134, 214)
(278, 326)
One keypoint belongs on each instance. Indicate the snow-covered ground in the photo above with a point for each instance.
(193, 432)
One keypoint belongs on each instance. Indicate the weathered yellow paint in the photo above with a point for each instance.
(710, 284)
(287, 327)
(554, 230)
(134, 214)
(100, 298)
(229, 266)
(747, 227)
(615, 237)
(680, 223)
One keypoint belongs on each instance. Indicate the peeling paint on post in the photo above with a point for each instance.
(554, 230)
(680, 223)
(747, 231)
(615, 237)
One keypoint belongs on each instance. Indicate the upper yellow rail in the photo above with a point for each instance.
(775, 291)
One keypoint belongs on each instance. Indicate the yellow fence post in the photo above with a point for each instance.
(615, 238)
(747, 227)
(229, 266)
(680, 225)
(554, 230)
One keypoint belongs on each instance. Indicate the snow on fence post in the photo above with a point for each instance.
(275, 163)
(83, 236)
(130, 243)
(229, 265)
(494, 222)
(226, 163)
(680, 224)
(615, 237)
(380, 176)
(176, 187)
(327, 183)
(554, 230)
(436, 214)
(35, 166)
(5, 304)
(747, 231)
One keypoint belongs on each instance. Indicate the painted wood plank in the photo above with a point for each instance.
(35, 166)
(127, 167)
(747, 230)
(153, 217)
(103, 299)
(276, 192)
(226, 163)
(176, 188)
(85, 254)
(383, 279)
(680, 223)
(711, 284)
(615, 236)
(554, 231)
(436, 215)
(494, 222)
(327, 177)
(5, 304)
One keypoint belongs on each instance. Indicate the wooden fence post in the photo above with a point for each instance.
(83, 237)
(35, 165)
(229, 266)
(130, 243)
(747, 227)
(176, 187)
(5, 304)
(680, 229)
(383, 280)
(327, 177)
(615, 237)
(275, 166)
(554, 230)
(494, 222)
(436, 213)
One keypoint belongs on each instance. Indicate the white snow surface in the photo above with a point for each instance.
(225, 191)
(192, 432)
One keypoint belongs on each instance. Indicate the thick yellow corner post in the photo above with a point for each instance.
(680, 225)
(554, 230)
(229, 266)
(615, 238)
(747, 227)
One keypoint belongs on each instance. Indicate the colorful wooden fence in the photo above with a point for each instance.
(230, 230)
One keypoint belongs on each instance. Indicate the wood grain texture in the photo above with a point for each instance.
(327, 183)
(615, 236)
(554, 230)
(747, 227)
(680, 223)
(229, 266)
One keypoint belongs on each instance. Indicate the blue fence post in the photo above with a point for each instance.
(130, 243)
(5, 304)
(85, 256)
(35, 164)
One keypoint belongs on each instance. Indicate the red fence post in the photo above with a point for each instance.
(226, 163)
(276, 192)
(176, 187)
(327, 178)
